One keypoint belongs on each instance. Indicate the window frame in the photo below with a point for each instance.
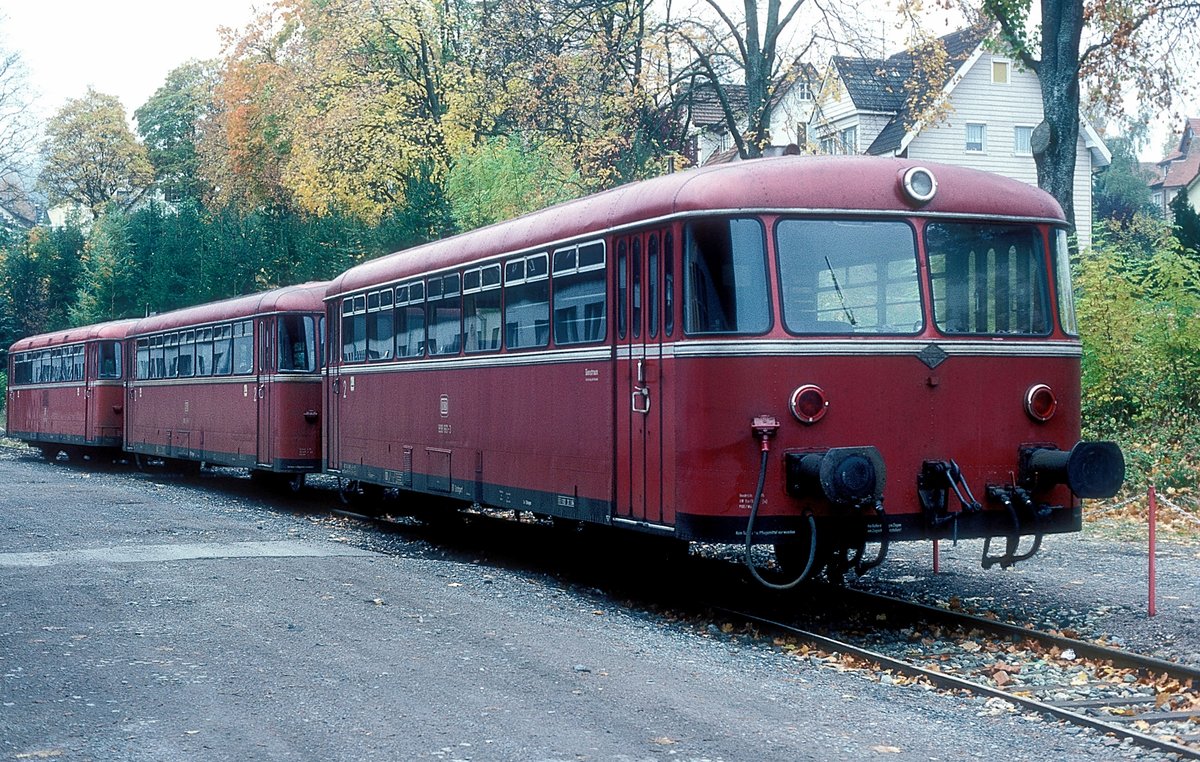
(967, 143)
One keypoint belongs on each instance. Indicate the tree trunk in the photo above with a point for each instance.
(1062, 24)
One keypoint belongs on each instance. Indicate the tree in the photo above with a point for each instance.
(1122, 189)
(1134, 45)
(504, 178)
(169, 125)
(17, 129)
(91, 157)
(1187, 224)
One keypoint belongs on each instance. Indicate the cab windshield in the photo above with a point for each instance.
(988, 278)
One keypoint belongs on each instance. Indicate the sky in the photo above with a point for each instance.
(124, 48)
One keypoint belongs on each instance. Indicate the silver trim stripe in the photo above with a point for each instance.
(551, 357)
(841, 348)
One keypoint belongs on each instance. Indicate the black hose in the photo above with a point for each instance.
(812, 534)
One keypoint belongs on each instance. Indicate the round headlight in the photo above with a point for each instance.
(1040, 402)
(920, 185)
(808, 403)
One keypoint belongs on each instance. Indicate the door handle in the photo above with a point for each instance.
(640, 394)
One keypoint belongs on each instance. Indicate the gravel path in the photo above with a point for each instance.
(417, 651)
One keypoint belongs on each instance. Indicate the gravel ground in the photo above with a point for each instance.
(424, 651)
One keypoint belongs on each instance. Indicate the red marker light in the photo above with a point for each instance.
(1040, 402)
(809, 404)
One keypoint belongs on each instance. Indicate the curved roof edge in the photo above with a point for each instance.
(305, 297)
(835, 183)
(114, 329)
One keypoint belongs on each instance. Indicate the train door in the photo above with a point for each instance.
(333, 387)
(265, 389)
(640, 381)
(91, 369)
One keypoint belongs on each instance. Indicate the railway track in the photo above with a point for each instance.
(1152, 702)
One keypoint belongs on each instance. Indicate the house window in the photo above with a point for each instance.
(999, 72)
(1021, 138)
(849, 140)
(976, 136)
(1157, 198)
(827, 146)
(804, 90)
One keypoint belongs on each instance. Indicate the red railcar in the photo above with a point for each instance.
(234, 383)
(900, 338)
(65, 388)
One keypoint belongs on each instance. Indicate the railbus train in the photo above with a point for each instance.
(66, 389)
(812, 353)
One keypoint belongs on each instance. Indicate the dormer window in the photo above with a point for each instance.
(1000, 71)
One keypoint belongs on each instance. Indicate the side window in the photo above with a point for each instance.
(725, 287)
(381, 339)
(171, 355)
(143, 358)
(354, 329)
(297, 343)
(410, 320)
(652, 284)
(243, 347)
(109, 357)
(669, 284)
(222, 350)
(187, 354)
(527, 302)
(204, 352)
(580, 294)
(481, 308)
(443, 304)
(158, 363)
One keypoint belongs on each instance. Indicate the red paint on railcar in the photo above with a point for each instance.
(649, 424)
(65, 388)
(233, 383)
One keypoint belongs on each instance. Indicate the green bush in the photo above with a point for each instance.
(1139, 314)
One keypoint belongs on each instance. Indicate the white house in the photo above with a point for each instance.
(708, 132)
(1179, 172)
(992, 106)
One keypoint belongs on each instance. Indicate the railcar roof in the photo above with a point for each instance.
(306, 297)
(849, 183)
(114, 329)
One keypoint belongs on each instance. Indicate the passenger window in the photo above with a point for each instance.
(187, 354)
(222, 350)
(143, 358)
(481, 309)
(527, 302)
(158, 362)
(669, 284)
(725, 287)
(635, 300)
(354, 329)
(652, 284)
(381, 339)
(580, 294)
(243, 347)
(443, 304)
(410, 320)
(171, 355)
(297, 344)
(204, 352)
(622, 288)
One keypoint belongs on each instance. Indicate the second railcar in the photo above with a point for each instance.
(235, 383)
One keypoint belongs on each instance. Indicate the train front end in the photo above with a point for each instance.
(902, 364)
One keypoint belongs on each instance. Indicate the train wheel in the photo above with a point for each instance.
(50, 452)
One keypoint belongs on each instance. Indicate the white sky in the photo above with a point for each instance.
(124, 48)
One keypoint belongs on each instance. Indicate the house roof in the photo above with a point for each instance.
(878, 84)
(705, 108)
(897, 70)
(1182, 166)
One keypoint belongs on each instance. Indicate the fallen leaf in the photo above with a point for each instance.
(886, 749)
(664, 741)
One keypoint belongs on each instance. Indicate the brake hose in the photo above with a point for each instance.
(812, 533)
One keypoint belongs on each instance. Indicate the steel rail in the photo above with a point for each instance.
(1117, 657)
(943, 680)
